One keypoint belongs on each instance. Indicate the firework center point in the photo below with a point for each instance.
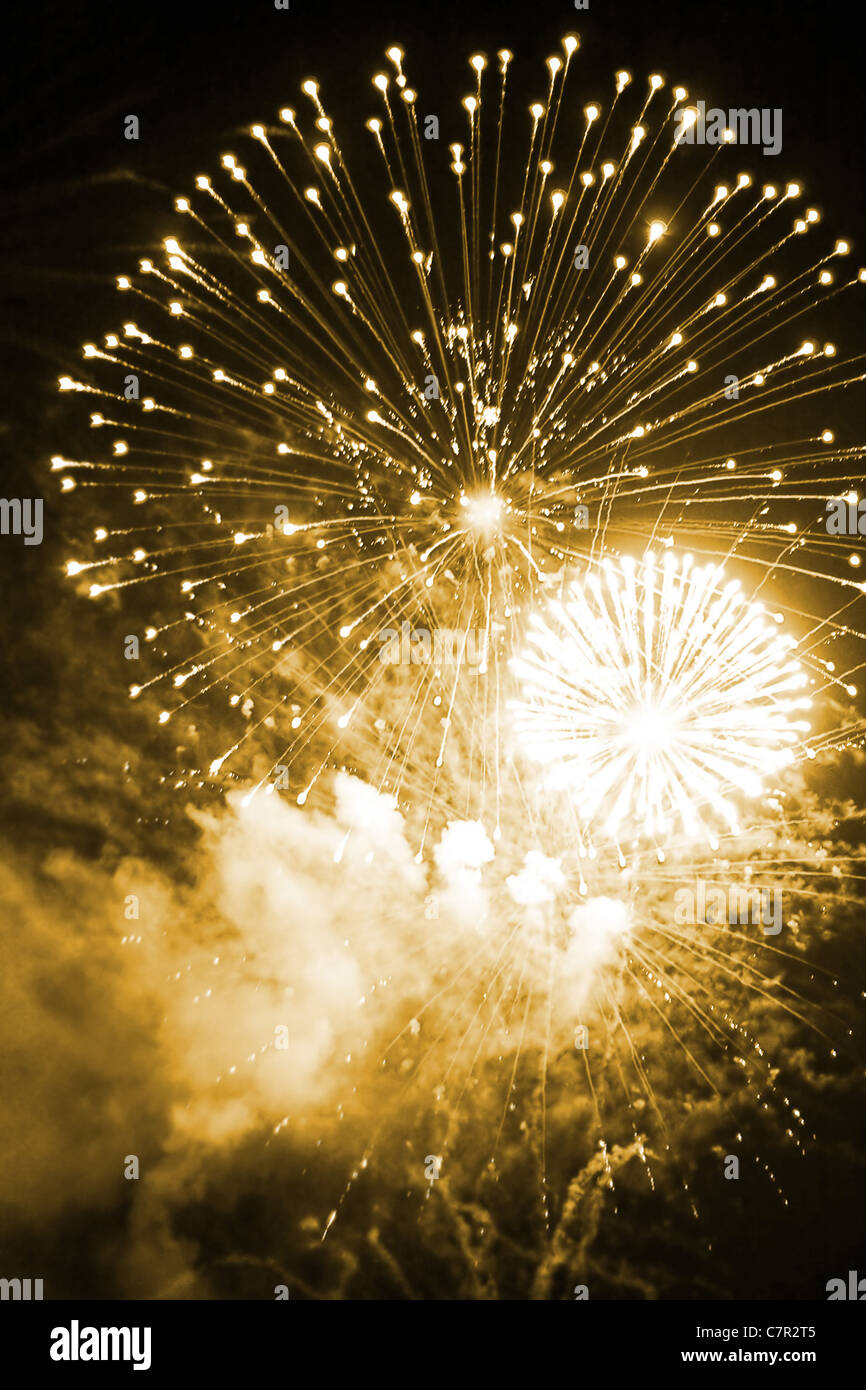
(483, 511)
(650, 729)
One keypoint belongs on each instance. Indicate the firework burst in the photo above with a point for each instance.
(658, 692)
(328, 416)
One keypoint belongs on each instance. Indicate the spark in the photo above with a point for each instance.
(652, 692)
(329, 410)
(534, 411)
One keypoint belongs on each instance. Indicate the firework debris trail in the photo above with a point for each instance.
(428, 486)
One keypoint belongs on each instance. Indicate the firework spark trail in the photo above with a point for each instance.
(358, 414)
(656, 692)
(556, 388)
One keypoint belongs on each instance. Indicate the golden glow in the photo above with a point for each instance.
(655, 694)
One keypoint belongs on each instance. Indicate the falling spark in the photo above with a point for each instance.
(388, 413)
(330, 410)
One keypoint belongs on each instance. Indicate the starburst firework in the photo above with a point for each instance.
(355, 413)
(655, 691)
